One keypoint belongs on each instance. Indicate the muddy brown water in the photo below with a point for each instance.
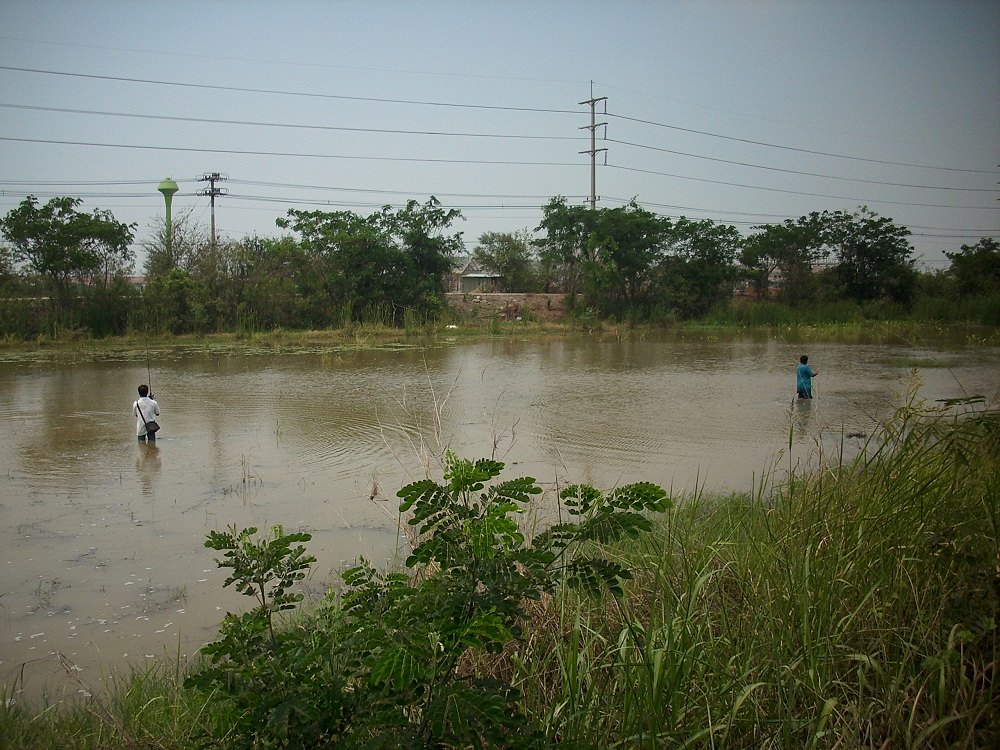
(103, 560)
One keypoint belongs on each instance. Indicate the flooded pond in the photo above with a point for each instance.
(103, 563)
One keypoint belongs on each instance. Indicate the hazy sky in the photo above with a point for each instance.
(742, 112)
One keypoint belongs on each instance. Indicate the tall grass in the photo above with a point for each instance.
(852, 607)
(767, 313)
(980, 309)
(144, 708)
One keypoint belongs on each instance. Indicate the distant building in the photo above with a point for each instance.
(467, 276)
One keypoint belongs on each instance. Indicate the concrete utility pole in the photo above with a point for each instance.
(212, 191)
(593, 135)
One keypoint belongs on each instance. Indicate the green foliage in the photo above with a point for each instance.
(788, 250)
(511, 255)
(631, 263)
(174, 302)
(388, 261)
(623, 248)
(263, 569)
(65, 247)
(778, 314)
(697, 271)
(564, 248)
(107, 308)
(379, 667)
(976, 268)
(873, 255)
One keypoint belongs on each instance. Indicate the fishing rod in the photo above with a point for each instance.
(145, 330)
(149, 376)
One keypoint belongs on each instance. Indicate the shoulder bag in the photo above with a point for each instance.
(151, 425)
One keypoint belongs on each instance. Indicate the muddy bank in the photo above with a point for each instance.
(549, 308)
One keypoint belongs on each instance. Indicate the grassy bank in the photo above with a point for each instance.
(369, 336)
(854, 607)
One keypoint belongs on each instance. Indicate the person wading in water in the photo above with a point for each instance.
(145, 410)
(803, 378)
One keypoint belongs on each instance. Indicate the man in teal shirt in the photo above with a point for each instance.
(803, 378)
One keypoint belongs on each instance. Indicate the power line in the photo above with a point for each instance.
(796, 192)
(261, 183)
(762, 218)
(76, 182)
(278, 92)
(230, 58)
(315, 202)
(258, 123)
(392, 192)
(791, 123)
(592, 151)
(792, 148)
(247, 152)
(480, 106)
(798, 172)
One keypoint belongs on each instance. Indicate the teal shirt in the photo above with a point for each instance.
(803, 378)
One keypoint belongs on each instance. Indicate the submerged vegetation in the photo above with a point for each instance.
(853, 606)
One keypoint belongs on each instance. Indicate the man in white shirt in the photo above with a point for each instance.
(145, 410)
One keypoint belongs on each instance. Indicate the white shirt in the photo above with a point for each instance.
(150, 410)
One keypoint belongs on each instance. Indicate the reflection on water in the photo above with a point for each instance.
(104, 561)
(147, 464)
(803, 414)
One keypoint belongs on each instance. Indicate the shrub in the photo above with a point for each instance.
(377, 667)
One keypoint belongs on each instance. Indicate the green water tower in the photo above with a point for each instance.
(168, 187)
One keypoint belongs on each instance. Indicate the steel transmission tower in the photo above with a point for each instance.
(594, 125)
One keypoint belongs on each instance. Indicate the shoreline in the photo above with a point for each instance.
(364, 336)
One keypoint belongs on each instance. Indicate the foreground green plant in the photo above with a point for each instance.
(378, 666)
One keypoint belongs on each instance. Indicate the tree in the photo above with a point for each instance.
(187, 239)
(178, 304)
(697, 270)
(606, 253)
(428, 251)
(564, 247)
(64, 246)
(6, 265)
(511, 256)
(624, 245)
(264, 277)
(382, 264)
(791, 248)
(628, 260)
(976, 268)
(872, 253)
